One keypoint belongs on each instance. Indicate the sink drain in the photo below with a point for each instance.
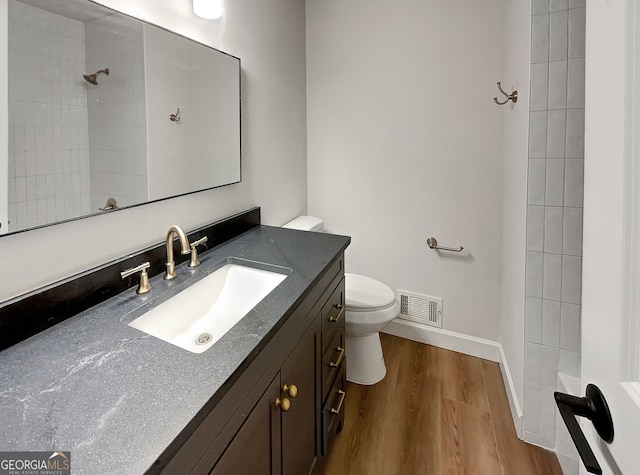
(203, 338)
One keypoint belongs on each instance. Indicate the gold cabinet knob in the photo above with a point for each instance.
(284, 404)
(290, 390)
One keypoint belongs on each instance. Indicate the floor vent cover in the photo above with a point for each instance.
(420, 308)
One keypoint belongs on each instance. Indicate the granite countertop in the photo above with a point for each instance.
(116, 397)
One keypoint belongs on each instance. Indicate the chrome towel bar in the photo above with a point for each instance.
(433, 244)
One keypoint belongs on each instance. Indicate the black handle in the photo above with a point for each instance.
(595, 408)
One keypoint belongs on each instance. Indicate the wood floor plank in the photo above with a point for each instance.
(422, 420)
(516, 456)
(387, 421)
(419, 373)
(462, 379)
(468, 444)
(511, 453)
(544, 461)
(390, 414)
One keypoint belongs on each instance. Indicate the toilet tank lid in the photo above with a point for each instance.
(305, 223)
(363, 292)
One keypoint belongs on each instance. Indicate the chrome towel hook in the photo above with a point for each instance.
(509, 97)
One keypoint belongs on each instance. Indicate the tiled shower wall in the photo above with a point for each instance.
(48, 163)
(117, 115)
(554, 211)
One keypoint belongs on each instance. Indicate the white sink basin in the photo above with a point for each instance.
(200, 315)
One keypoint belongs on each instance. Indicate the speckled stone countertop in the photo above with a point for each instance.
(116, 397)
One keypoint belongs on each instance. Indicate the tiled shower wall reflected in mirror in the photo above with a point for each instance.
(48, 164)
(554, 209)
(73, 145)
(117, 112)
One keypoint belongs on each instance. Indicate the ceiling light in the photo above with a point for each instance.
(209, 9)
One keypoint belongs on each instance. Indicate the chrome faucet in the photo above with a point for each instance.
(184, 249)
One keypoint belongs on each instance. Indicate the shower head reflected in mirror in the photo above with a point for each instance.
(93, 78)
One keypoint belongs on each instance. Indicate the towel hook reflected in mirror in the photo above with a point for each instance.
(111, 205)
(175, 117)
(509, 97)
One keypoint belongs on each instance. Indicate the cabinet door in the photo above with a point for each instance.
(299, 422)
(255, 449)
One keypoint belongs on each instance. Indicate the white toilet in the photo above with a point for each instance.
(369, 306)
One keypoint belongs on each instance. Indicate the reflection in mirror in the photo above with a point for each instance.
(106, 108)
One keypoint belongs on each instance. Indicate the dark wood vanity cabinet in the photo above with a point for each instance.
(278, 435)
(256, 447)
(299, 422)
(279, 417)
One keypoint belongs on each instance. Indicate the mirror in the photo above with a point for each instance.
(107, 111)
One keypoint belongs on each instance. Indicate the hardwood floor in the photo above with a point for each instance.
(436, 412)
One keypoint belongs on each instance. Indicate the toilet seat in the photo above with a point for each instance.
(364, 294)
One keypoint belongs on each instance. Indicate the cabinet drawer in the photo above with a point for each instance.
(333, 313)
(333, 411)
(332, 362)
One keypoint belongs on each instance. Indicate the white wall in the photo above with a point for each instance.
(405, 142)
(517, 42)
(269, 37)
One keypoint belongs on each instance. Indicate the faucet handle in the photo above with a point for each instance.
(194, 262)
(144, 285)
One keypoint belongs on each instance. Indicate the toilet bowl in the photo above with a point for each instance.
(369, 306)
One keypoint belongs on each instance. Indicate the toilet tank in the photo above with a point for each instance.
(305, 223)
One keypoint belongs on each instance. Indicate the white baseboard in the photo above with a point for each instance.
(461, 343)
(512, 395)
